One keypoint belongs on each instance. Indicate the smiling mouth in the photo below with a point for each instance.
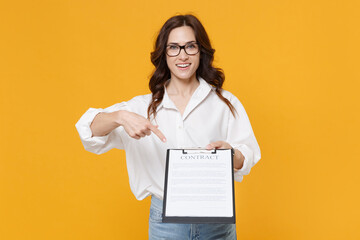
(183, 65)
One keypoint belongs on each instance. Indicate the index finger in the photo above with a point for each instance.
(158, 133)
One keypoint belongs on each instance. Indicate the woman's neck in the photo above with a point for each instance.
(182, 87)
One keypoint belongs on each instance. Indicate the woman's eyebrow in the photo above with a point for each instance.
(185, 43)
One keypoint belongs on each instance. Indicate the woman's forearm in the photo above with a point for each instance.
(104, 123)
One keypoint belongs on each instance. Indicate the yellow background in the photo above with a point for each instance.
(293, 64)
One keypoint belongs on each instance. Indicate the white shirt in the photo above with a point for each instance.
(206, 119)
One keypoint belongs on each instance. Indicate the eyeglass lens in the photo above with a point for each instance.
(190, 49)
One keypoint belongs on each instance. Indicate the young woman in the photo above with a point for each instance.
(187, 108)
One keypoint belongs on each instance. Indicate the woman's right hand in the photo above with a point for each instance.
(136, 126)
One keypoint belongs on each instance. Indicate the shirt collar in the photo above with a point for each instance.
(199, 94)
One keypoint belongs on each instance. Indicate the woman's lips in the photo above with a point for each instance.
(183, 66)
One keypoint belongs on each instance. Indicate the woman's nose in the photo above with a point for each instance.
(183, 54)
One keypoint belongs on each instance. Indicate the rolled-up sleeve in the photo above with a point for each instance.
(100, 144)
(242, 138)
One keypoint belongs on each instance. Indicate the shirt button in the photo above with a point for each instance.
(179, 127)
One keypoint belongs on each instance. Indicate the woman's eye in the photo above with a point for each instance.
(191, 46)
(173, 47)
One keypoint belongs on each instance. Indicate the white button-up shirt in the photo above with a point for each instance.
(206, 119)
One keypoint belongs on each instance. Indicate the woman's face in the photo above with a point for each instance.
(182, 66)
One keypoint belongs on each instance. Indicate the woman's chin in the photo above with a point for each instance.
(184, 77)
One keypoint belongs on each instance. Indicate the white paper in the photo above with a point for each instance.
(199, 184)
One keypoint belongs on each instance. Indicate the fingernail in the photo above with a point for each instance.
(164, 139)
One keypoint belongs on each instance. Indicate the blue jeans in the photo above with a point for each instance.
(178, 231)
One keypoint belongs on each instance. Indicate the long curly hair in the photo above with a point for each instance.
(213, 76)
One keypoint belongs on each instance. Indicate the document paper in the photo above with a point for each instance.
(199, 183)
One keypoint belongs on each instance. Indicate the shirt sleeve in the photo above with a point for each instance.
(241, 137)
(100, 144)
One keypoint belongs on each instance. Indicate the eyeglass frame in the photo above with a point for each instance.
(182, 47)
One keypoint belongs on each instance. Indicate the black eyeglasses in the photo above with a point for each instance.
(191, 48)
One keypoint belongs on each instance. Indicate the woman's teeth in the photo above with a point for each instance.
(183, 65)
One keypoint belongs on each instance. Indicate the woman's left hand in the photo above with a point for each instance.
(218, 144)
(238, 157)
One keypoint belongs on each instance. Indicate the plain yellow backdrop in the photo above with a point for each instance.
(293, 64)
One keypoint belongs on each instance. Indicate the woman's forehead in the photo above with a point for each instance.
(181, 35)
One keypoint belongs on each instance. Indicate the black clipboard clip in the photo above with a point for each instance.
(198, 151)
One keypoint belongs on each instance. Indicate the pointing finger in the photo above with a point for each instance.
(158, 133)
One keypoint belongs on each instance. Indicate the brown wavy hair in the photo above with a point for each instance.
(213, 76)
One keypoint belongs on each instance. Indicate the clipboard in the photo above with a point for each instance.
(199, 186)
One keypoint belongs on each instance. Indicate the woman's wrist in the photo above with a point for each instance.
(119, 117)
(238, 159)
